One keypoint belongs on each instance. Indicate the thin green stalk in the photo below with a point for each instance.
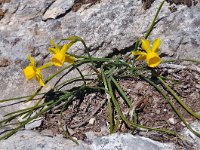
(129, 122)
(82, 76)
(22, 112)
(171, 104)
(93, 58)
(28, 109)
(154, 20)
(65, 132)
(88, 53)
(178, 99)
(133, 113)
(138, 42)
(117, 123)
(33, 117)
(110, 109)
(58, 87)
(50, 78)
(122, 93)
(17, 98)
(184, 59)
(33, 108)
(11, 124)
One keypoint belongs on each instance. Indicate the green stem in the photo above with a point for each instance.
(59, 86)
(88, 53)
(17, 98)
(138, 42)
(82, 76)
(171, 104)
(133, 113)
(154, 20)
(110, 109)
(34, 117)
(178, 99)
(122, 93)
(129, 122)
(65, 132)
(50, 78)
(184, 59)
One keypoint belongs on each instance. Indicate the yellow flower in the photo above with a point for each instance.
(60, 55)
(150, 54)
(32, 71)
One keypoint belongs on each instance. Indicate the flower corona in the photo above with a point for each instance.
(149, 54)
(60, 55)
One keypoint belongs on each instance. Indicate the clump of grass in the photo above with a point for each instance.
(106, 74)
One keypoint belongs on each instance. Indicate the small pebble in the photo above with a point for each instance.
(172, 121)
(182, 124)
(198, 86)
(91, 121)
(157, 111)
(71, 131)
(47, 132)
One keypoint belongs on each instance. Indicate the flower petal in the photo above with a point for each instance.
(146, 45)
(135, 53)
(29, 72)
(58, 59)
(55, 47)
(39, 78)
(70, 59)
(54, 44)
(153, 59)
(64, 48)
(31, 59)
(156, 45)
(141, 57)
(53, 50)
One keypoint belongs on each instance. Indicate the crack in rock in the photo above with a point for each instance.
(58, 8)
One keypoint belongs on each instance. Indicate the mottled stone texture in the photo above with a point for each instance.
(57, 9)
(107, 26)
(111, 25)
(29, 140)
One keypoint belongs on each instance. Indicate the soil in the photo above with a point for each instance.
(90, 111)
(79, 3)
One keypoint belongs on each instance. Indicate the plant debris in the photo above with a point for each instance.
(153, 110)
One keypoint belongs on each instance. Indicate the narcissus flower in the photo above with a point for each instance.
(32, 71)
(150, 54)
(60, 56)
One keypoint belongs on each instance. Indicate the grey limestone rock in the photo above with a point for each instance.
(59, 7)
(108, 26)
(189, 138)
(30, 140)
(128, 142)
(111, 25)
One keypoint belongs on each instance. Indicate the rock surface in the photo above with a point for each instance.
(108, 26)
(30, 140)
(59, 7)
(190, 138)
